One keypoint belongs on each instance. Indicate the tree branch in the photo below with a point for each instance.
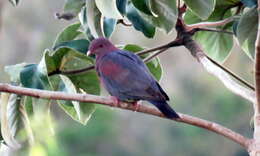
(213, 30)
(211, 126)
(210, 24)
(165, 46)
(149, 58)
(212, 68)
(232, 74)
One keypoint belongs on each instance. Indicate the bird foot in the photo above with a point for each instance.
(115, 101)
(136, 105)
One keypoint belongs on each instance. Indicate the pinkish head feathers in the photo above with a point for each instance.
(101, 46)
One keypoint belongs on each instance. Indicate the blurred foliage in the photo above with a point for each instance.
(31, 121)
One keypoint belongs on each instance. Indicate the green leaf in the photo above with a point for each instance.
(221, 11)
(14, 71)
(32, 76)
(14, 120)
(121, 6)
(142, 5)
(247, 30)
(202, 8)
(191, 18)
(138, 22)
(154, 65)
(14, 2)
(109, 25)
(73, 6)
(84, 23)
(6, 131)
(18, 119)
(80, 45)
(94, 19)
(216, 45)
(79, 111)
(67, 34)
(166, 12)
(108, 8)
(66, 59)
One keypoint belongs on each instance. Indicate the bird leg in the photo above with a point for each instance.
(115, 101)
(136, 105)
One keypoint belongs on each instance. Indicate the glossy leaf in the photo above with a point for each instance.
(73, 6)
(109, 25)
(33, 77)
(142, 5)
(221, 11)
(18, 119)
(77, 110)
(154, 65)
(84, 23)
(6, 131)
(94, 19)
(108, 8)
(66, 59)
(80, 45)
(14, 121)
(121, 6)
(67, 34)
(138, 22)
(216, 45)
(202, 8)
(166, 14)
(247, 30)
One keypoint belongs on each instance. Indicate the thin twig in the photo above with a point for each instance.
(77, 71)
(210, 24)
(168, 45)
(55, 95)
(147, 59)
(232, 74)
(175, 43)
(214, 30)
(217, 70)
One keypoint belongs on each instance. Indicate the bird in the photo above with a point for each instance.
(126, 78)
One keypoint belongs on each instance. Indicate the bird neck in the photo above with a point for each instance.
(107, 51)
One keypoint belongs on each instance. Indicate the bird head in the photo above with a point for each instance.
(100, 46)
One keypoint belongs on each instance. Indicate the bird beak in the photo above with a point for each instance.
(89, 53)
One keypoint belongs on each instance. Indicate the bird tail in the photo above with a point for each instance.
(165, 108)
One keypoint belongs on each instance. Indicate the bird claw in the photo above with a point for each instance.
(136, 105)
(115, 101)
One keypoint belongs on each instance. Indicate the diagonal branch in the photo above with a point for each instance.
(217, 71)
(213, 30)
(149, 58)
(211, 126)
(210, 24)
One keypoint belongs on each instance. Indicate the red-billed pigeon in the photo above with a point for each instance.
(126, 77)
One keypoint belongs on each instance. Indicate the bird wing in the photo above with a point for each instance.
(126, 76)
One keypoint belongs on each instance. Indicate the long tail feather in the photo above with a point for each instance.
(165, 108)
